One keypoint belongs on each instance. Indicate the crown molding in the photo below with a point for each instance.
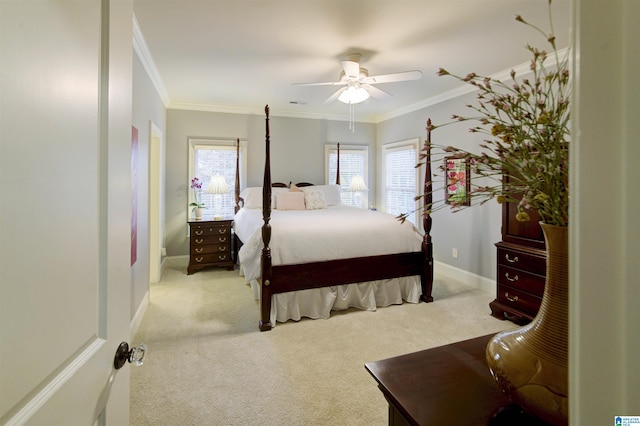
(141, 49)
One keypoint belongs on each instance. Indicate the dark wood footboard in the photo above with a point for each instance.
(284, 278)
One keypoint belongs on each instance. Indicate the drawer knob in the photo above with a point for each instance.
(199, 259)
(514, 279)
(511, 299)
(199, 232)
(514, 260)
(222, 230)
(223, 248)
(199, 249)
(222, 239)
(222, 257)
(199, 240)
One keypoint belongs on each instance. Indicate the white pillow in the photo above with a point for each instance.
(331, 193)
(291, 200)
(252, 197)
(314, 199)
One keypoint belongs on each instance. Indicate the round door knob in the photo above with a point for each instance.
(134, 355)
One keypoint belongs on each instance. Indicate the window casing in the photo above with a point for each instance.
(207, 158)
(401, 177)
(354, 160)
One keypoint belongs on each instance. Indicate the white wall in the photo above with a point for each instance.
(148, 108)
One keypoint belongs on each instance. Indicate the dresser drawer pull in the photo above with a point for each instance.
(222, 248)
(222, 230)
(506, 275)
(222, 257)
(222, 239)
(511, 299)
(514, 260)
(199, 232)
(199, 259)
(199, 240)
(199, 249)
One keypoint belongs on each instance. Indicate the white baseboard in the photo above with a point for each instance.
(137, 318)
(483, 283)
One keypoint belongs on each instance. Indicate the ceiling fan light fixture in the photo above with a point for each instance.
(353, 95)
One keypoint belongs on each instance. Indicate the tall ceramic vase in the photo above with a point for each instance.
(530, 363)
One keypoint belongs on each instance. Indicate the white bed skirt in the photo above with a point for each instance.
(319, 302)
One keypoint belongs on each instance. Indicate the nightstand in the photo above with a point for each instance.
(211, 244)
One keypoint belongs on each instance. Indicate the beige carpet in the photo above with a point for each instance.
(207, 363)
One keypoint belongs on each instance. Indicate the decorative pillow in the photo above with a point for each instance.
(274, 196)
(294, 188)
(314, 199)
(291, 201)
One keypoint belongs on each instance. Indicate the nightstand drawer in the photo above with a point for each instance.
(521, 280)
(211, 248)
(532, 262)
(208, 259)
(519, 300)
(203, 231)
(210, 239)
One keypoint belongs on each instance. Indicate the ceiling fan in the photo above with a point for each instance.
(358, 85)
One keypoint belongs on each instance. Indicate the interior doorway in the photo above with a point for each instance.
(155, 201)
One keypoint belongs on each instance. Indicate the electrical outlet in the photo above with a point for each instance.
(164, 251)
(454, 253)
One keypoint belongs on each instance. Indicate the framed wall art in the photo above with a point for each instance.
(458, 183)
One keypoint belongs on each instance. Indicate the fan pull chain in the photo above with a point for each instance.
(352, 124)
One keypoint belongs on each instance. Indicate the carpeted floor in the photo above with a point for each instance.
(207, 363)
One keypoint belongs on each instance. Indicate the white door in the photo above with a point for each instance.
(64, 211)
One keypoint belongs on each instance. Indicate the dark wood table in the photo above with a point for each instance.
(448, 385)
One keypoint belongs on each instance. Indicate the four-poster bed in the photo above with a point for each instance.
(334, 256)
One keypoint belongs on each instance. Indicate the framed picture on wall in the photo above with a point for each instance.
(458, 183)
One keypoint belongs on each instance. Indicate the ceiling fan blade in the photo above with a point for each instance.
(375, 92)
(328, 83)
(351, 69)
(335, 95)
(390, 78)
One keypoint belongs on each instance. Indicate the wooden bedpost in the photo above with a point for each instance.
(338, 166)
(265, 290)
(427, 245)
(237, 191)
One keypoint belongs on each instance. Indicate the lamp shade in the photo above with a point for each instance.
(357, 184)
(217, 185)
(353, 95)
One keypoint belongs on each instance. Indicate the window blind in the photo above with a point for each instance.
(400, 179)
(352, 163)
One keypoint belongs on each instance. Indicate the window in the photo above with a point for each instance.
(401, 177)
(208, 158)
(353, 162)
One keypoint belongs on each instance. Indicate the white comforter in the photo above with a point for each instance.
(331, 233)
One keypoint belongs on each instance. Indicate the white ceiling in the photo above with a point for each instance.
(239, 55)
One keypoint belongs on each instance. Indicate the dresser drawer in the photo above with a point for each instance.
(518, 300)
(521, 280)
(534, 262)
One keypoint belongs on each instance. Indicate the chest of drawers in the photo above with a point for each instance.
(521, 267)
(520, 282)
(211, 244)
